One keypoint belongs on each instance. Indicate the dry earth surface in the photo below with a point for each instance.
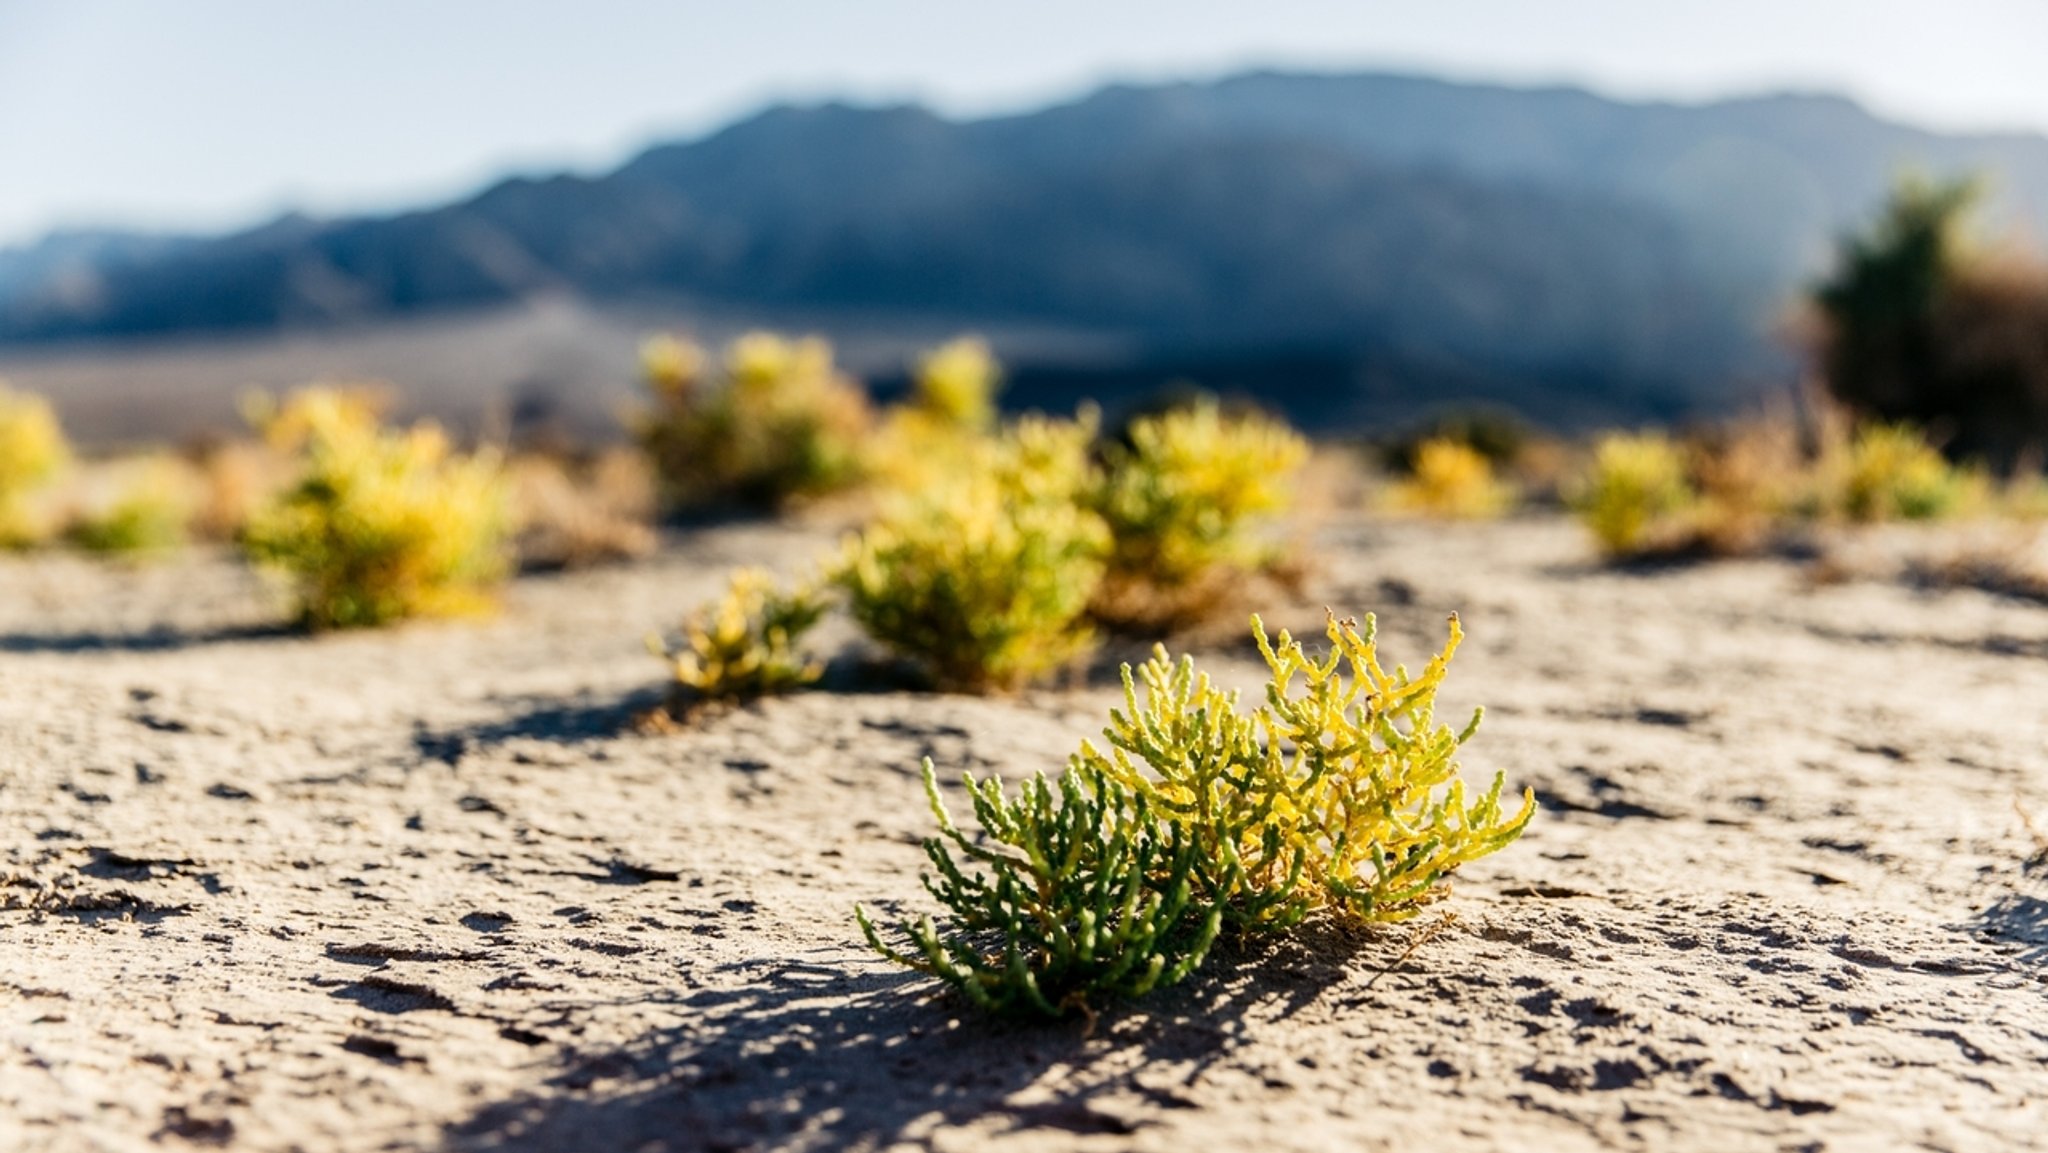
(427, 889)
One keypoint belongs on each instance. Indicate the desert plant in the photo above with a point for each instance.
(1081, 892)
(32, 449)
(151, 512)
(1890, 472)
(749, 643)
(380, 525)
(956, 384)
(780, 425)
(983, 580)
(932, 436)
(1449, 478)
(1181, 494)
(1340, 795)
(577, 514)
(1631, 490)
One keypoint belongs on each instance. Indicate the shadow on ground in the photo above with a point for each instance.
(819, 1057)
(149, 641)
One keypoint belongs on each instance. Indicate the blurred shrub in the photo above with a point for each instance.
(150, 512)
(781, 424)
(380, 525)
(1340, 794)
(1630, 492)
(1890, 472)
(983, 580)
(576, 515)
(748, 644)
(1916, 327)
(1451, 479)
(1747, 477)
(952, 406)
(1494, 433)
(32, 450)
(1180, 496)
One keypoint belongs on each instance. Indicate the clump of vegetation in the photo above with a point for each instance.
(1181, 496)
(380, 524)
(1339, 796)
(575, 514)
(749, 643)
(1634, 486)
(983, 580)
(32, 450)
(1918, 326)
(152, 512)
(1450, 478)
(952, 406)
(780, 425)
(1890, 472)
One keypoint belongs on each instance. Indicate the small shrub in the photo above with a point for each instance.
(1339, 796)
(1889, 472)
(1635, 484)
(575, 516)
(151, 513)
(32, 450)
(1450, 478)
(932, 437)
(983, 580)
(1180, 499)
(782, 424)
(749, 643)
(380, 525)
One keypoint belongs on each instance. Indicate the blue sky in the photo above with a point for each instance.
(206, 114)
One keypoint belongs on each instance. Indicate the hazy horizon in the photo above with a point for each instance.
(222, 114)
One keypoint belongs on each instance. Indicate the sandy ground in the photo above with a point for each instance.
(424, 889)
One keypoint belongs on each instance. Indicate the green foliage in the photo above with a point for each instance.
(1180, 499)
(380, 525)
(1450, 478)
(782, 423)
(32, 450)
(983, 579)
(1339, 795)
(1890, 472)
(748, 644)
(1082, 892)
(1635, 483)
(153, 514)
(1918, 326)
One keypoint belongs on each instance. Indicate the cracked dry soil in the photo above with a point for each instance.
(426, 889)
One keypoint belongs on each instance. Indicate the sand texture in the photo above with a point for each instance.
(427, 889)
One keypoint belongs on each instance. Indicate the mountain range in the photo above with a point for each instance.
(1446, 238)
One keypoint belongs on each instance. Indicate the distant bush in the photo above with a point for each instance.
(151, 513)
(1340, 795)
(781, 424)
(1890, 472)
(1630, 492)
(32, 450)
(1450, 478)
(931, 437)
(1181, 497)
(983, 580)
(749, 643)
(576, 514)
(1917, 327)
(380, 525)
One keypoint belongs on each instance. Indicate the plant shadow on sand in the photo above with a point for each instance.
(816, 1057)
(148, 641)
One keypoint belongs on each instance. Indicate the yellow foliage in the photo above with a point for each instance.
(381, 524)
(983, 579)
(32, 450)
(952, 407)
(1451, 479)
(783, 423)
(1635, 485)
(151, 511)
(1890, 472)
(1180, 500)
(956, 384)
(747, 644)
(1340, 795)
